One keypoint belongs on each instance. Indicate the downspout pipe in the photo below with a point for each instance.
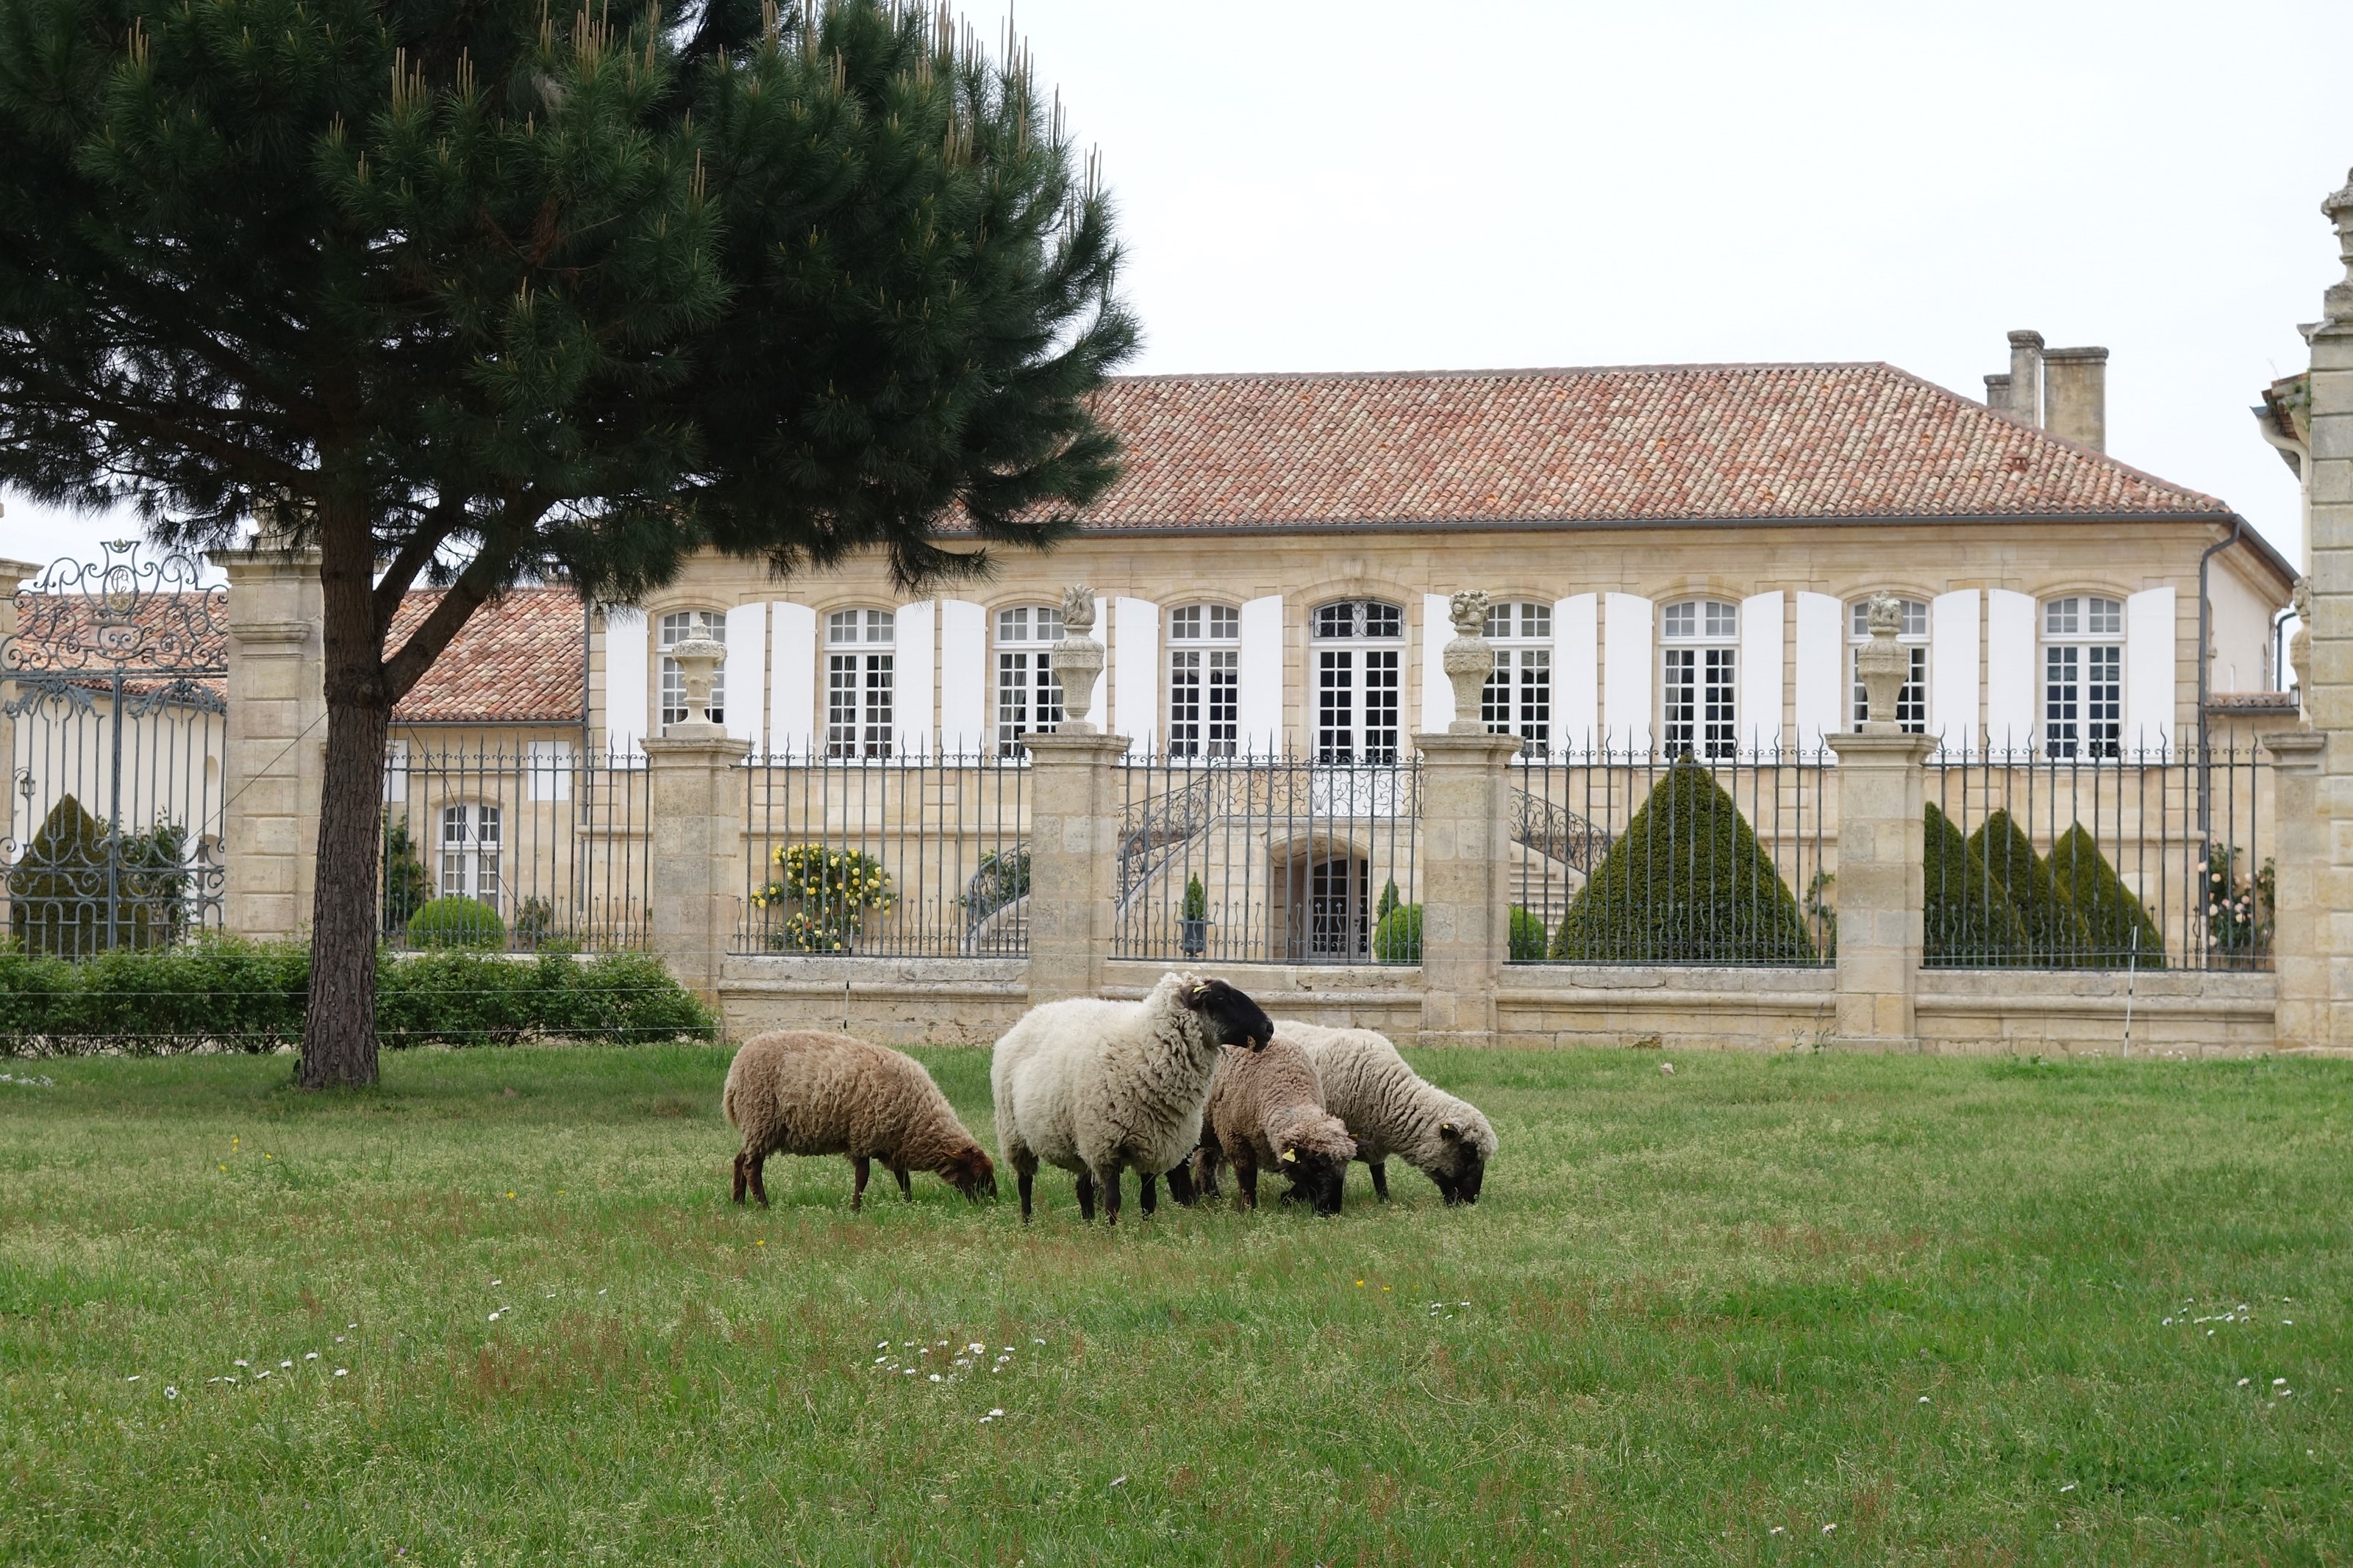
(2205, 668)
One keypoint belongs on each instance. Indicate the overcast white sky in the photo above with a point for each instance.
(1306, 185)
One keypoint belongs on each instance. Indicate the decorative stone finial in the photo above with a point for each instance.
(2337, 304)
(699, 659)
(1882, 665)
(2299, 646)
(1469, 660)
(1078, 659)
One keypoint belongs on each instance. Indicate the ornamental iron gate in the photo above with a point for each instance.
(113, 724)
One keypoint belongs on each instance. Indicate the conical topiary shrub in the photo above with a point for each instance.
(2111, 914)
(76, 892)
(2056, 933)
(1968, 920)
(1685, 883)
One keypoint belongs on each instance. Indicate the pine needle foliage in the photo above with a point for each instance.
(1686, 883)
(2119, 928)
(1970, 921)
(2056, 933)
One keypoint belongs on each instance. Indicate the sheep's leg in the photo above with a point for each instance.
(742, 1181)
(759, 1187)
(1380, 1180)
(1245, 1185)
(1025, 1177)
(906, 1190)
(863, 1167)
(1181, 1184)
(1148, 1193)
(1087, 1197)
(1109, 1182)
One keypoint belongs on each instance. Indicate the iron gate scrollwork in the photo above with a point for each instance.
(114, 724)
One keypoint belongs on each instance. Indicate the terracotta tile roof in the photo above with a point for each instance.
(1620, 443)
(517, 662)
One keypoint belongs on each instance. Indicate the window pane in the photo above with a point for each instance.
(1382, 620)
(1225, 622)
(1381, 705)
(1183, 702)
(1225, 702)
(1681, 620)
(1536, 620)
(1915, 618)
(1013, 625)
(1723, 619)
(1679, 698)
(2103, 689)
(1184, 625)
(2105, 619)
(1336, 682)
(1722, 735)
(2061, 694)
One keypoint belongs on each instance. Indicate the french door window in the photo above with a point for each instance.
(2082, 676)
(1518, 697)
(1359, 649)
(679, 627)
(470, 852)
(1204, 680)
(1699, 657)
(858, 682)
(1912, 701)
(1029, 695)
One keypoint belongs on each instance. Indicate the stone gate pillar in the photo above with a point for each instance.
(1882, 881)
(275, 752)
(696, 835)
(14, 575)
(1073, 823)
(1466, 846)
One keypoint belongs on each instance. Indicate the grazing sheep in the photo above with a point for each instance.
(1265, 1110)
(800, 1092)
(1390, 1110)
(1098, 1086)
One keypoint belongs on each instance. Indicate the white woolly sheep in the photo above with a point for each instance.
(1098, 1086)
(800, 1091)
(1265, 1111)
(1391, 1110)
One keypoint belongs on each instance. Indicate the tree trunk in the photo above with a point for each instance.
(339, 1031)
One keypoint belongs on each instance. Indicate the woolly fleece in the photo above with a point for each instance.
(800, 1091)
(1392, 1110)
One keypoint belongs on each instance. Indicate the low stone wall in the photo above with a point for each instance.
(2053, 1013)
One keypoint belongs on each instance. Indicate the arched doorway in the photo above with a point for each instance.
(1327, 907)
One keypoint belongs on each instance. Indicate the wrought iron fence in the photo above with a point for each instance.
(525, 845)
(1651, 858)
(908, 856)
(2154, 859)
(113, 730)
(1268, 859)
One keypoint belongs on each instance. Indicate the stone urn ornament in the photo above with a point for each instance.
(1078, 659)
(1469, 660)
(699, 659)
(1882, 665)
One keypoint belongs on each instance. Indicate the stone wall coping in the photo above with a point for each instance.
(1546, 982)
(1387, 982)
(1972, 987)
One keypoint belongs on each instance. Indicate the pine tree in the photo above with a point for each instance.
(1686, 883)
(466, 295)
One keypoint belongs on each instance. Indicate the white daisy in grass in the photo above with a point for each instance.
(310, 1356)
(343, 1372)
(170, 1391)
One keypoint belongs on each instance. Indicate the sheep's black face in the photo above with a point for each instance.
(1461, 1168)
(1317, 1179)
(1233, 1018)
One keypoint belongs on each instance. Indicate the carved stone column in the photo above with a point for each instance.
(1881, 885)
(697, 832)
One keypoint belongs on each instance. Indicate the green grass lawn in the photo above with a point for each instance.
(1960, 1310)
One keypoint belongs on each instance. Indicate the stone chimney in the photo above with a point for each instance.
(2026, 377)
(1997, 392)
(2075, 395)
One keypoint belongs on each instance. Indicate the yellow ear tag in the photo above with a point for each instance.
(1290, 1156)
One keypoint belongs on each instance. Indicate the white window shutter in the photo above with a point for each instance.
(2010, 671)
(396, 773)
(1437, 691)
(548, 767)
(1135, 672)
(1260, 698)
(792, 686)
(746, 666)
(1953, 670)
(1821, 669)
(1760, 672)
(911, 679)
(963, 678)
(626, 712)
(1576, 673)
(2149, 634)
(1627, 679)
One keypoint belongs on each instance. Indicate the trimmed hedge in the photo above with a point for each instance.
(1686, 883)
(222, 994)
(2111, 914)
(1397, 936)
(456, 921)
(1528, 935)
(1969, 918)
(2056, 933)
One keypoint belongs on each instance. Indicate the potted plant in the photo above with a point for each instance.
(1193, 926)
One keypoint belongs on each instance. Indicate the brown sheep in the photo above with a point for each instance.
(800, 1092)
(1266, 1109)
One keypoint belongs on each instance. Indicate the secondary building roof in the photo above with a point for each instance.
(517, 662)
(1614, 444)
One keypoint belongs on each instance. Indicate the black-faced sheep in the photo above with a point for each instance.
(1391, 1110)
(1266, 1112)
(1098, 1086)
(798, 1091)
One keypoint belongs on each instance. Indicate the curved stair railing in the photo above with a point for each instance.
(1548, 828)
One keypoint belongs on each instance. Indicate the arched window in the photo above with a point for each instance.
(678, 626)
(1204, 657)
(1028, 696)
(1359, 652)
(1912, 701)
(470, 852)
(1518, 698)
(858, 682)
(1699, 652)
(2083, 676)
